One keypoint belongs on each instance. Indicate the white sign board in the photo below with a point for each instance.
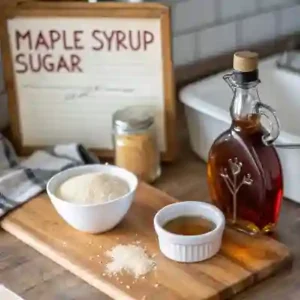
(72, 74)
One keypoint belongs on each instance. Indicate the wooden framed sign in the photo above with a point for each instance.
(70, 65)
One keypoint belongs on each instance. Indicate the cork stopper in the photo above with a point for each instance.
(245, 61)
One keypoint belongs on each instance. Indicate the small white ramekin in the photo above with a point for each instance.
(189, 248)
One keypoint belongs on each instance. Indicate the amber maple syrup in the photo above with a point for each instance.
(189, 225)
(244, 171)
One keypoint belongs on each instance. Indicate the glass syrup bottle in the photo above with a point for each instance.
(244, 171)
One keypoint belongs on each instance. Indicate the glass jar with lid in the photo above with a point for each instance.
(135, 142)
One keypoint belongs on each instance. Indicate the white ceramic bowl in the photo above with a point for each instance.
(93, 218)
(192, 248)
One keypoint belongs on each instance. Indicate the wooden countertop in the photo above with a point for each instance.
(35, 277)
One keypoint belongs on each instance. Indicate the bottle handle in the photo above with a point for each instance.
(228, 79)
(273, 130)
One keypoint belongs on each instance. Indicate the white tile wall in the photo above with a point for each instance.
(193, 13)
(258, 28)
(204, 28)
(170, 1)
(216, 40)
(272, 3)
(234, 8)
(184, 48)
(290, 20)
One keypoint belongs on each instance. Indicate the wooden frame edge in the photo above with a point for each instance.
(169, 92)
(32, 8)
(10, 83)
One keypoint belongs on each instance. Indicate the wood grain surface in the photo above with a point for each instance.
(242, 261)
(35, 277)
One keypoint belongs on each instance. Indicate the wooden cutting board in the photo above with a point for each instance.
(242, 261)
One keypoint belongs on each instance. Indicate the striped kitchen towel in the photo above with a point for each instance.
(20, 180)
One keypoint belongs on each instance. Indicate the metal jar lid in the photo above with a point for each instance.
(133, 118)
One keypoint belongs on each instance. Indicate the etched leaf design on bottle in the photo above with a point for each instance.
(235, 167)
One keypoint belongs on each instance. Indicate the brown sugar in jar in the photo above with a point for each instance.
(135, 142)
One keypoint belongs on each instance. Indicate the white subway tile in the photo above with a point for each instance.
(193, 13)
(233, 8)
(272, 3)
(216, 40)
(184, 49)
(290, 20)
(257, 29)
(169, 2)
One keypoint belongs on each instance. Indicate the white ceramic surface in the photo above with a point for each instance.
(183, 248)
(6, 294)
(207, 111)
(93, 218)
